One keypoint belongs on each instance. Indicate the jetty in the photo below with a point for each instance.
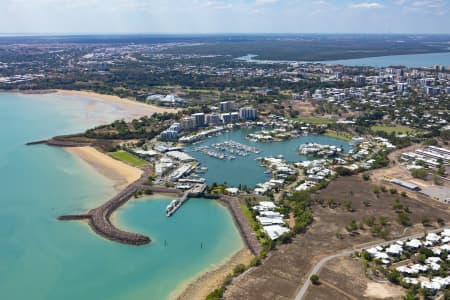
(99, 218)
(195, 191)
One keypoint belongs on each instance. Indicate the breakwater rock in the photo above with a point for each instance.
(246, 230)
(99, 218)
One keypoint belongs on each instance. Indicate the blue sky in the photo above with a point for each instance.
(220, 16)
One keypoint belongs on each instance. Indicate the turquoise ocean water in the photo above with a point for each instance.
(41, 258)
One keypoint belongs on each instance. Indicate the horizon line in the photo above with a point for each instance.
(23, 34)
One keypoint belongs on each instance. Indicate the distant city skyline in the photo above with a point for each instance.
(218, 16)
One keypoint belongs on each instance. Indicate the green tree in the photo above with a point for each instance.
(403, 219)
(239, 269)
(314, 279)
(419, 173)
(394, 276)
(342, 171)
(426, 221)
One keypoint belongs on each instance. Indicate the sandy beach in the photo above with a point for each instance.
(200, 287)
(146, 108)
(120, 173)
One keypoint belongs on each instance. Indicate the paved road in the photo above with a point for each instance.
(316, 269)
(302, 292)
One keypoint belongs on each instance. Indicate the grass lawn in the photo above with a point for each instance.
(339, 135)
(248, 214)
(128, 158)
(314, 120)
(396, 129)
(202, 91)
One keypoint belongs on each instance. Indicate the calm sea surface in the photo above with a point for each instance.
(247, 170)
(41, 258)
(413, 60)
(408, 60)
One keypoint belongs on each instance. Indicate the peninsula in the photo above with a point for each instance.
(322, 167)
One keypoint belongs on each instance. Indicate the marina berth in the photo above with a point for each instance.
(192, 191)
(227, 150)
(201, 135)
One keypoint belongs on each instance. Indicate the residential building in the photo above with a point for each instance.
(188, 123)
(213, 119)
(199, 119)
(226, 106)
(247, 113)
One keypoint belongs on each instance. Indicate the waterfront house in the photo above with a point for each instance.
(274, 231)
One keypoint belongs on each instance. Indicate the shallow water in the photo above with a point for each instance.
(41, 258)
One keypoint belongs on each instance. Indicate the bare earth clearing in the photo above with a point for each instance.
(343, 278)
(285, 270)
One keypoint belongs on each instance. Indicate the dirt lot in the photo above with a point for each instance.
(395, 169)
(305, 108)
(283, 272)
(399, 171)
(343, 278)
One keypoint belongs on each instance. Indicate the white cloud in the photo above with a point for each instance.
(218, 5)
(262, 2)
(428, 3)
(433, 7)
(367, 5)
(200, 16)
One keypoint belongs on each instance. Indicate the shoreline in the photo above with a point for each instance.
(116, 99)
(130, 104)
(118, 172)
(199, 285)
(126, 181)
(211, 278)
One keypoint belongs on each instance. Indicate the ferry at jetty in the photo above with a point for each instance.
(172, 207)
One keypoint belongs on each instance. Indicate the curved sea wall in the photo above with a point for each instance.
(99, 218)
(246, 230)
(59, 142)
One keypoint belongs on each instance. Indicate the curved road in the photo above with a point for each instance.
(302, 292)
